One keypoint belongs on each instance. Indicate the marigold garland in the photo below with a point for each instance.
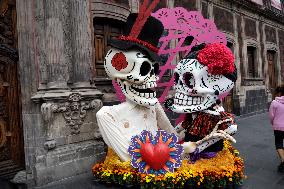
(226, 168)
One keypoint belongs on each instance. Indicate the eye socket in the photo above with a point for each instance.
(156, 68)
(188, 80)
(145, 68)
(176, 78)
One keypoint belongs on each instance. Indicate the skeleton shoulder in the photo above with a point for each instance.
(105, 113)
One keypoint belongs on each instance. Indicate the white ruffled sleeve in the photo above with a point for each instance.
(111, 134)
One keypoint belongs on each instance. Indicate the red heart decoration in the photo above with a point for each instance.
(155, 156)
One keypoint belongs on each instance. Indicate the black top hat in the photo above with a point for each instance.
(147, 39)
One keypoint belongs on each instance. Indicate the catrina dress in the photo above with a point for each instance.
(203, 124)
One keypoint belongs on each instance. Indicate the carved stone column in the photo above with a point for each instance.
(81, 43)
(53, 47)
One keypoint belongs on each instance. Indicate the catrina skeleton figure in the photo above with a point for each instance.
(206, 75)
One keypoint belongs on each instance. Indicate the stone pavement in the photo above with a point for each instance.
(256, 145)
(255, 141)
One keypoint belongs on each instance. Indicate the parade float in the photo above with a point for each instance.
(144, 149)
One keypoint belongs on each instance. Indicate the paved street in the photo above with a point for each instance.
(255, 142)
(256, 145)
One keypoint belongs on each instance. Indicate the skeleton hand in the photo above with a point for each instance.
(217, 134)
(224, 135)
(180, 131)
(179, 128)
(189, 147)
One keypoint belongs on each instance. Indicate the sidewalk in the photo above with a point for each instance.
(255, 141)
(256, 145)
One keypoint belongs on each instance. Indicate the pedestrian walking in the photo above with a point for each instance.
(276, 115)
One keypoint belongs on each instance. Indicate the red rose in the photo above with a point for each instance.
(119, 61)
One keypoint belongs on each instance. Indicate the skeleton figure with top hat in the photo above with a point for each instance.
(202, 78)
(133, 63)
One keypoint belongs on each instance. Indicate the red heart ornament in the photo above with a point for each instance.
(155, 156)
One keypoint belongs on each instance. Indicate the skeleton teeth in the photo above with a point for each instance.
(145, 85)
(146, 95)
(186, 100)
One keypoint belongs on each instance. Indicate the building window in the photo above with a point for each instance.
(251, 57)
(260, 2)
(272, 72)
(276, 4)
(104, 29)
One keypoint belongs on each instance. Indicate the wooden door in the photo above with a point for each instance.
(104, 29)
(227, 103)
(11, 132)
(271, 71)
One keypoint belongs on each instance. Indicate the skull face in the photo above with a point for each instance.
(196, 89)
(135, 73)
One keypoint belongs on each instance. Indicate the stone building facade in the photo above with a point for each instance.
(254, 31)
(52, 80)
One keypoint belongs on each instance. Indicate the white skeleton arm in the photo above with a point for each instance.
(212, 138)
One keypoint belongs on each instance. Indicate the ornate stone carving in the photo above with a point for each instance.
(74, 111)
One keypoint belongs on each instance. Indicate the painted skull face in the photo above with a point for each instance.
(135, 73)
(196, 88)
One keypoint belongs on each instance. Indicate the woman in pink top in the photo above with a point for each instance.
(276, 115)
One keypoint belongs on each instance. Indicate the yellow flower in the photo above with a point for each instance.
(148, 179)
(230, 179)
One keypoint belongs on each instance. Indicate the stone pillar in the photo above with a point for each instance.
(59, 103)
(51, 24)
(278, 69)
(81, 43)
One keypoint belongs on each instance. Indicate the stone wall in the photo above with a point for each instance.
(58, 98)
(246, 24)
(281, 47)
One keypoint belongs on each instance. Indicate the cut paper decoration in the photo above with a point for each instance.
(180, 24)
(155, 154)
